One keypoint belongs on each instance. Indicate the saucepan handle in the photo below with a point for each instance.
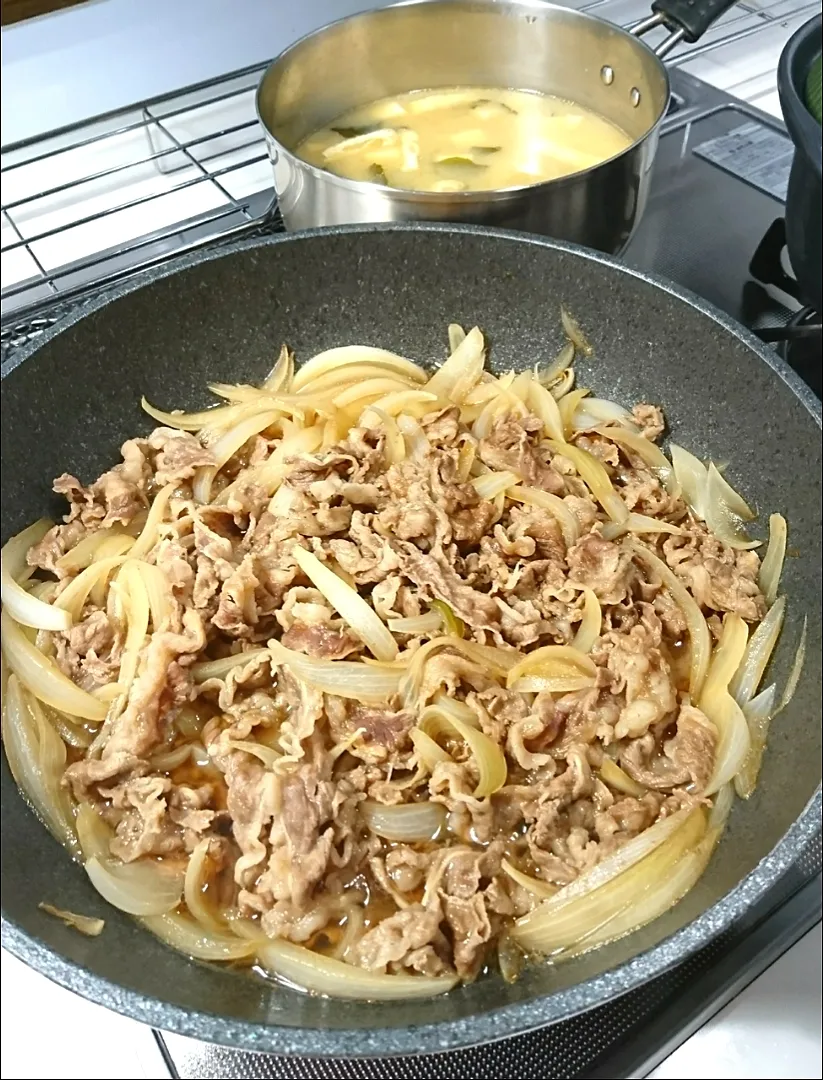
(687, 20)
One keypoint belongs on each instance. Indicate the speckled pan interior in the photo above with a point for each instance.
(70, 403)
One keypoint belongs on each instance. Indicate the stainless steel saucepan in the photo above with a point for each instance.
(523, 44)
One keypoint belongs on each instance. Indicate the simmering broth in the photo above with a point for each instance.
(463, 139)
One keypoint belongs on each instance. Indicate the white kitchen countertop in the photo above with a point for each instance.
(111, 53)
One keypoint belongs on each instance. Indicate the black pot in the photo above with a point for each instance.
(803, 201)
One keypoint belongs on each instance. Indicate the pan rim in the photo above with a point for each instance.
(508, 1020)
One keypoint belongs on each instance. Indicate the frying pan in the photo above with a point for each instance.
(69, 402)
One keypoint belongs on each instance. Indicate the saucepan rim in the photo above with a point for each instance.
(508, 1020)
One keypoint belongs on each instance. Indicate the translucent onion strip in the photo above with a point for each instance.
(332, 359)
(227, 446)
(496, 661)
(612, 775)
(492, 484)
(408, 823)
(717, 703)
(429, 753)
(138, 888)
(281, 375)
(569, 525)
(545, 407)
(758, 653)
(195, 884)
(700, 638)
(721, 519)
(21, 605)
(597, 411)
(561, 363)
(594, 475)
(157, 591)
(196, 941)
(691, 475)
(157, 511)
(639, 524)
(588, 630)
(456, 377)
(73, 598)
(607, 890)
(83, 923)
(758, 712)
(564, 661)
(649, 453)
(335, 979)
(429, 623)
(574, 333)
(535, 886)
(37, 758)
(797, 668)
(488, 757)
(219, 669)
(456, 335)
(350, 605)
(772, 566)
(344, 678)
(43, 678)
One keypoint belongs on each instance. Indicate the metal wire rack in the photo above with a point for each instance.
(92, 205)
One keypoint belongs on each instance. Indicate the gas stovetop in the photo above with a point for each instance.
(713, 225)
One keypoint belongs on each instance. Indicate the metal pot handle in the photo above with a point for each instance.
(687, 20)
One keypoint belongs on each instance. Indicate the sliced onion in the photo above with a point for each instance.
(456, 335)
(196, 941)
(639, 524)
(98, 545)
(229, 443)
(83, 923)
(73, 598)
(139, 888)
(574, 333)
(280, 377)
(417, 445)
(797, 668)
(648, 452)
(188, 421)
(429, 623)
(569, 525)
(569, 405)
(733, 741)
(21, 605)
(452, 625)
(43, 678)
(673, 875)
(371, 389)
(564, 661)
(758, 653)
(758, 712)
(166, 760)
(594, 475)
(456, 377)
(545, 407)
(612, 775)
(194, 885)
(552, 684)
(531, 884)
(219, 669)
(135, 600)
(562, 386)
(598, 896)
(561, 363)
(410, 401)
(374, 417)
(93, 833)
(269, 757)
(323, 975)
(721, 807)
(491, 484)
(600, 411)
(725, 524)
(692, 476)
(488, 757)
(407, 823)
(700, 638)
(157, 511)
(37, 758)
(725, 493)
(352, 608)
(343, 678)
(772, 566)
(158, 593)
(332, 359)
(495, 661)
(272, 471)
(429, 752)
(589, 629)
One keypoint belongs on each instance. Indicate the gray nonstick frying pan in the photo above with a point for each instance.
(70, 401)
